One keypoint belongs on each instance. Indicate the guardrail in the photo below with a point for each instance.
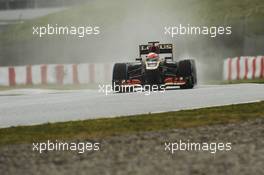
(243, 68)
(61, 74)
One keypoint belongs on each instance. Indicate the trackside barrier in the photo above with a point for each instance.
(243, 68)
(62, 74)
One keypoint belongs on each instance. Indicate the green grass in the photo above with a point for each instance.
(259, 81)
(113, 14)
(101, 128)
(88, 13)
(51, 86)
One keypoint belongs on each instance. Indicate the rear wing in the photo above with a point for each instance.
(158, 48)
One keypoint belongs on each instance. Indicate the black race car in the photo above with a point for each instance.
(153, 69)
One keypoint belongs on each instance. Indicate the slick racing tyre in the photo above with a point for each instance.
(187, 70)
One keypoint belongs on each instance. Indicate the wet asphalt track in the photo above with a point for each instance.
(28, 107)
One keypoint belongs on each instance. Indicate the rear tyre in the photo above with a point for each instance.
(119, 74)
(187, 70)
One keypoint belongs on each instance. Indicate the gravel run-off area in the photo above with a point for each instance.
(144, 153)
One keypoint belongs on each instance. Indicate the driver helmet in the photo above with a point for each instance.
(152, 55)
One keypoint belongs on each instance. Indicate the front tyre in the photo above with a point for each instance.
(187, 70)
(119, 75)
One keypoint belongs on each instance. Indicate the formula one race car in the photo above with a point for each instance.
(153, 69)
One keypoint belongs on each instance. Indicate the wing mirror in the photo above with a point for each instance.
(168, 58)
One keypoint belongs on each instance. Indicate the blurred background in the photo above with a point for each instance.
(126, 24)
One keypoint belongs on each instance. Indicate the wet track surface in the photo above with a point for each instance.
(28, 107)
